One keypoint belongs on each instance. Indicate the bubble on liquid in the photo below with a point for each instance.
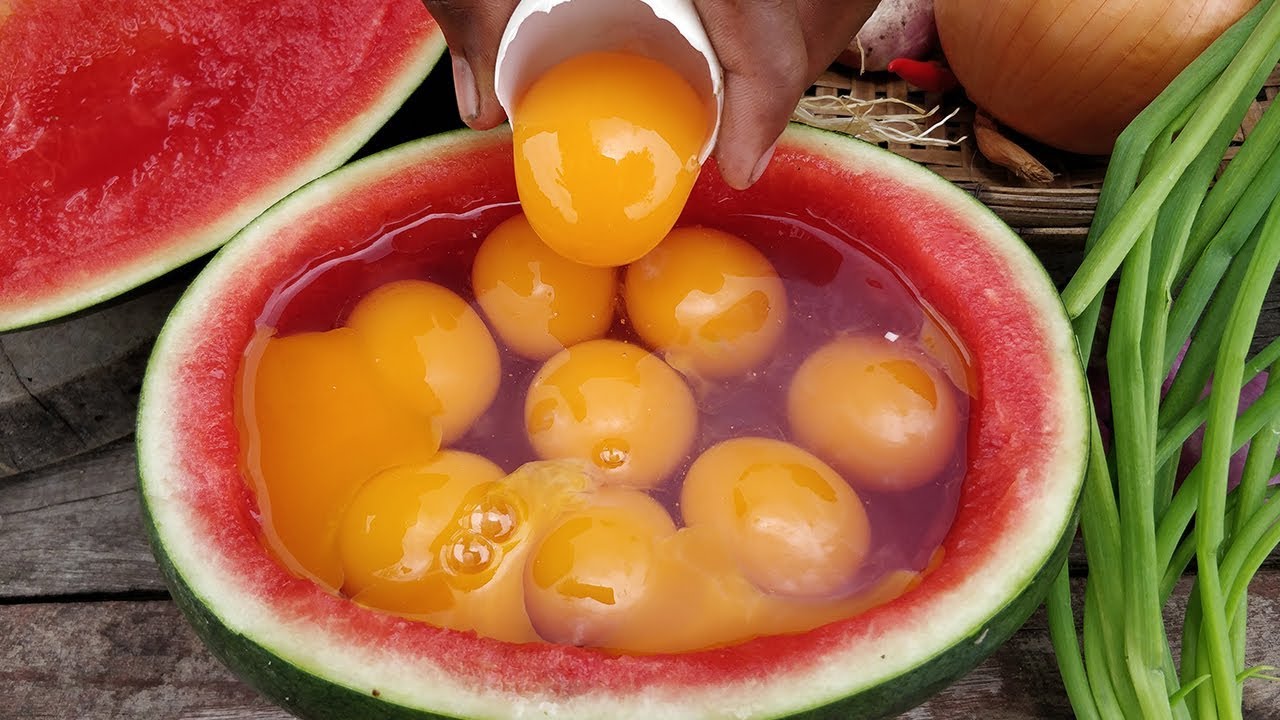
(611, 453)
(494, 518)
(469, 553)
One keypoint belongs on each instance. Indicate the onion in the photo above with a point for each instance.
(1073, 73)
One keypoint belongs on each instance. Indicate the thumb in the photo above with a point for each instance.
(473, 29)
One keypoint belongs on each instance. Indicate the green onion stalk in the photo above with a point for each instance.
(1194, 253)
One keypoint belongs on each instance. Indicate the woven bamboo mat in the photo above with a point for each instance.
(1049, 213)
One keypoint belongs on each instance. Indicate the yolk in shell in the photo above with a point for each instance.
(317, 424)
(431, 349)
(606, 153)
(792, 523)
(708, 301)
(881, 413)
(388, 531)
(538, 301)
(615, 405)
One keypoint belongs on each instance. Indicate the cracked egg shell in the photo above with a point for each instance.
(543, 33)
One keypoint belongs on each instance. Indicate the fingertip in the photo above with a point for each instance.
(477, 105)
(736, 181)
(736, 166)
(740, 169)
(491, 115)
(763, 163)
(465, 89)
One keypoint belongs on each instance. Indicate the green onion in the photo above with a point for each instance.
(1183, 506)
(1194, 257)
(1135, 459)
(1197, 363)
(1224, 400)
(1238, 179)
(1186, 91)
(1101, 263)
(1187, 548)
(1216, 257)
(1062, 632)
(1181, 427)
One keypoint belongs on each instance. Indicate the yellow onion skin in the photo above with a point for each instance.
(1073, 73)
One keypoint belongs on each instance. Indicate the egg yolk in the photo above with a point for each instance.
(606, 152)
(469, 575)
(538, 301)
(432, 351)
(795, 526)
(709, 301)
(593, 573)
(615, 405)
(700, 599)
(388, 530)
(712, 603)
(316, 425)
(484, 551)
(879, 412)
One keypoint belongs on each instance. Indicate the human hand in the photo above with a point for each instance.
(770, 51)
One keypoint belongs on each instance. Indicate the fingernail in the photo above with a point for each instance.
(763, 162)
(464, 84)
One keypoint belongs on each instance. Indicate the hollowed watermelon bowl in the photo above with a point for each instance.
(322, 656)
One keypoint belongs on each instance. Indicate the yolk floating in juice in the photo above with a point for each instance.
(471, 574)
(538, 301)
(615, 405)
(606, 153)
(709, 301)
(593, 575)
(344, 429)
(793, 525)
(387, 532)
(881, 413)
(432, 350)
(617, 574)
(707, 600)
(318, 425)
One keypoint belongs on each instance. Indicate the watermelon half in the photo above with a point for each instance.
(137, 135)
(324, 657)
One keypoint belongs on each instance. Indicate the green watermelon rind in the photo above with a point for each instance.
(291, 673)
(345, 143)
(311, 696)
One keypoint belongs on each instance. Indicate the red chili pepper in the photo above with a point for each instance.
(926, 75)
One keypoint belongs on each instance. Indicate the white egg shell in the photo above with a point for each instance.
(543, 33)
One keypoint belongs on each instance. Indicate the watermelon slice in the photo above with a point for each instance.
(323, 656)
(137, 135)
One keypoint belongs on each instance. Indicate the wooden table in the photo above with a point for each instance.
(87, 629)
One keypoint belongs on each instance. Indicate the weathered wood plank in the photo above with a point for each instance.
(72, 386)
(140, 660)
(75, 528)
(113, 660)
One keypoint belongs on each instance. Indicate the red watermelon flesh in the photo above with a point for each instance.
(137, 135)
(1025, 457)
